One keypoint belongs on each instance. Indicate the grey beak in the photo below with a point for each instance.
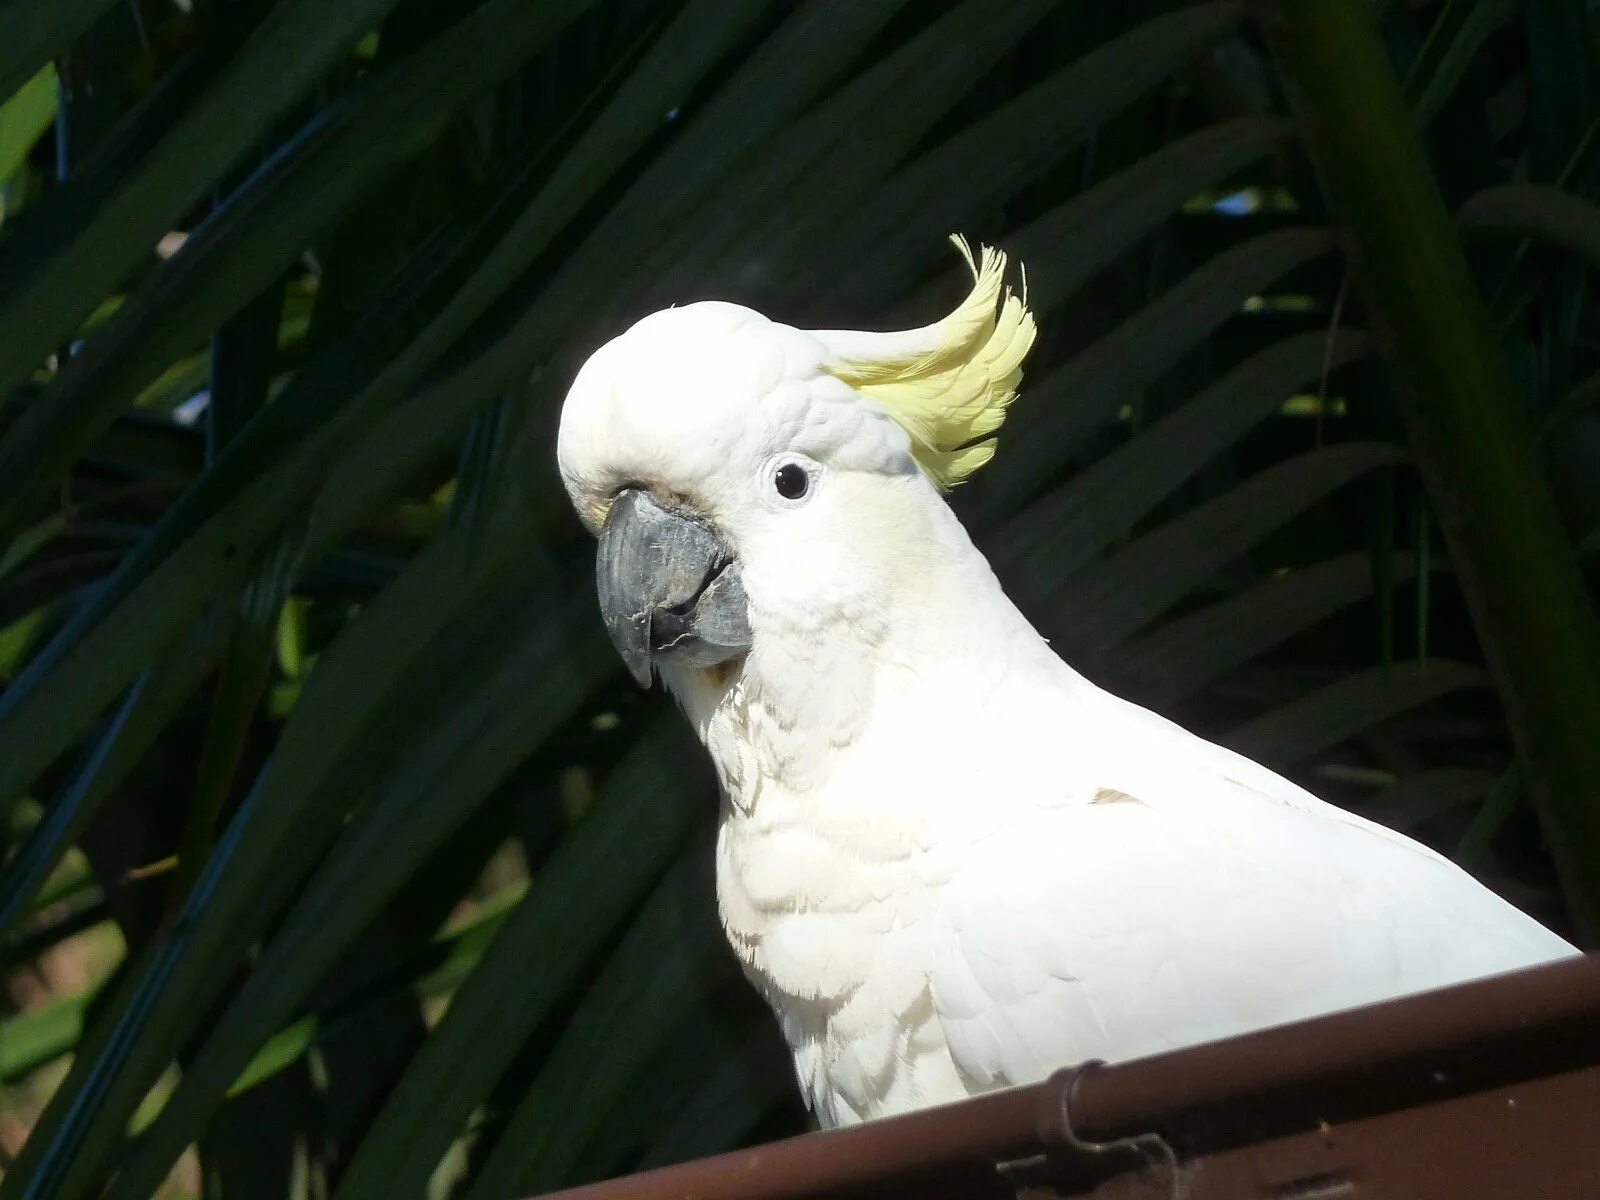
(669, 588)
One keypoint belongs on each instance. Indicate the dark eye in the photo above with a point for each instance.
(791, 481)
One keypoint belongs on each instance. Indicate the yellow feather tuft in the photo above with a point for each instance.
(955, 393)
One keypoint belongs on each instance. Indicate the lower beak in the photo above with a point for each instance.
(669, 587)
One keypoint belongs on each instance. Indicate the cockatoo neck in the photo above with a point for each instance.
(915, 624)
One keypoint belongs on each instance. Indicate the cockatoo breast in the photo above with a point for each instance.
(845, 813)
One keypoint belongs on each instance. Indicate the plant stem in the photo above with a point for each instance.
(1471, 441)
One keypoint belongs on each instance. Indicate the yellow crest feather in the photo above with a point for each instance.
(954, 393)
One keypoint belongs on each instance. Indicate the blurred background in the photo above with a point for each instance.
(339, 856)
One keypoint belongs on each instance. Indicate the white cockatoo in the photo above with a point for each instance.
(949, 861)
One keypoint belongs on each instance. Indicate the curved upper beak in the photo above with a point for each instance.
(669, 587)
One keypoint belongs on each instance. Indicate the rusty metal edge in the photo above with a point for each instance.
(1527, 1141)
(1497, 1016)
(1490, 1022)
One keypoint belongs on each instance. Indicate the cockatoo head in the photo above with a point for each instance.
(735, 468)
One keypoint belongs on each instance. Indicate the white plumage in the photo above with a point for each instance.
(948, 861)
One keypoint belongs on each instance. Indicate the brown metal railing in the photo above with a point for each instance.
(1490, 1089)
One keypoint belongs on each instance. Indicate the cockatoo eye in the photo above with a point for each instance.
(791, 480)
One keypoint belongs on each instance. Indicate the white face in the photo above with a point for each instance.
(730, 421)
